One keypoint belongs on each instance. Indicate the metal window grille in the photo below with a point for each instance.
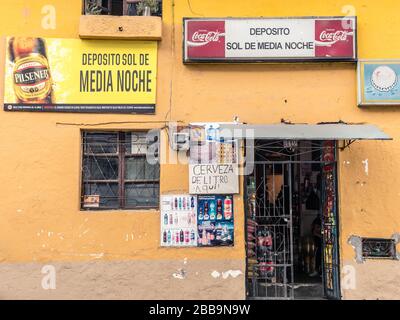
(116, 7)
(375, 248)
(120, 170)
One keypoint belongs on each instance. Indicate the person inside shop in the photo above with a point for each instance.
(316, 232)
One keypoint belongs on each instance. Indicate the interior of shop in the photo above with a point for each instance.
(284, 260)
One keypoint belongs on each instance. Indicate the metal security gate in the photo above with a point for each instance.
(273, 271)
(272, 199)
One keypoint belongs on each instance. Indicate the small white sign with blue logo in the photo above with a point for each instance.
(378, 82)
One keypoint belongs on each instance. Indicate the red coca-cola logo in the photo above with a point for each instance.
(339, 35)
(334, 38)
(205, 39)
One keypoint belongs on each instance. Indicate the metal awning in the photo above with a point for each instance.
(337, 131)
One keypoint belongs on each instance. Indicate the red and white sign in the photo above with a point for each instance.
(270, 39)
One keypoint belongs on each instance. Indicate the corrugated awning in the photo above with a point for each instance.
(282, 131)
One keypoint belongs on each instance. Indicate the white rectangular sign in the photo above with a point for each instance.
(214, 178)
(270, 39)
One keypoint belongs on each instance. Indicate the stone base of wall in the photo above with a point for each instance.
(371, 280)
(189, 279)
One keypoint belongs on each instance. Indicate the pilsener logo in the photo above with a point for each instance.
(205, 39)
(333, 40)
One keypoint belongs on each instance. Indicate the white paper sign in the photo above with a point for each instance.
(214, 178)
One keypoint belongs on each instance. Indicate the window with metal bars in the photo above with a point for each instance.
(122, 7)
(375, 248)
(120, 170)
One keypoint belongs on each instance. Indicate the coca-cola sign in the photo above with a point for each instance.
(334, 38)
(206, 40)
(269, 39)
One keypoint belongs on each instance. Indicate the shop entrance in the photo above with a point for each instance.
(291, 221)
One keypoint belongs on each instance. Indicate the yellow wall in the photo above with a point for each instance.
(40, 159)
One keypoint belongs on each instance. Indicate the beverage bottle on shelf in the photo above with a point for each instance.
(169, 236)
(219, 209)
(187, 236)
(181, 236)
(180, 203)
(177, 237)
(184, 203)
(164, 236)
(228, 208)
(171, 219)
(192, 202)
(206, 215)
(175, 203)
(211, 133)
(212, 210)
(192, 236)
(201, 216)
(165, 218)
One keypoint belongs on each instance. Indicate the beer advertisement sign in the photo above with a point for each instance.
(269, 39)
(71, 75)
(378, 82)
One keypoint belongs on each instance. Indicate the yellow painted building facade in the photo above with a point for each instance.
(116, 253)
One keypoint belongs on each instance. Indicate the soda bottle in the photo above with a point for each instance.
(165, 218)
(212, 210)
(192, 202)
(169, 236)
(201, 216)
(206, 215)
(219, 209)
(227, 208)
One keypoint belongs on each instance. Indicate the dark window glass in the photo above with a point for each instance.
(141, 195)
(100, 142)
(100, 168)
(139, 169)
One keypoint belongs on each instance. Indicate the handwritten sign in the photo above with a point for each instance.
(213, 178)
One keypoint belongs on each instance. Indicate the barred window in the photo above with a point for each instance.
(120, 170)
(121, 7)
(375, 248)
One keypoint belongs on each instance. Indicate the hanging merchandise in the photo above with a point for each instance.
(178, 220)
(215, 220)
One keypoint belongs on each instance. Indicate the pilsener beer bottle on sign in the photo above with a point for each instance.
(32, 79)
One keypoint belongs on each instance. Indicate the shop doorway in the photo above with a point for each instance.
(292, 221)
